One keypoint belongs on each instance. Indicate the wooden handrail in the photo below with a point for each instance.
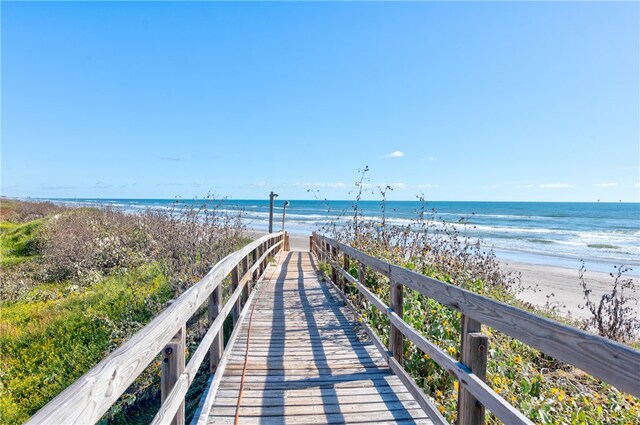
(89, 397)
(607, 360)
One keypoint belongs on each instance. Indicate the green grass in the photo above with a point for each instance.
(18, 242)
(47, 345)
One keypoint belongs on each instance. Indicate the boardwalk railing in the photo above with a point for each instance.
(604, 359)
(88, 399)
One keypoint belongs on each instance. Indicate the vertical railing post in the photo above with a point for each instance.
(215, 305)
(396, 338)
(254, 259)
(362, 277)
(473, 354)
(172, 368)
(247, 285)
(345, 266)
(311, 247)
(235, 311)
(334, 270)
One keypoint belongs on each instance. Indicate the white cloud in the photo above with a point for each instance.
(493, 186)
(638, 184)
(432, 158)
(556, 185)
(259, 184)
(426, 186)
(395, 154)
(399, 185)
(320, 185)
(605, 184)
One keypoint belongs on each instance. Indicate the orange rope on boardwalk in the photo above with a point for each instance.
(246, 354)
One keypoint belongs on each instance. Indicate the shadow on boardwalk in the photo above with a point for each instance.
(306, 363)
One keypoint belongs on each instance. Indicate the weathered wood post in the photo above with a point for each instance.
(345, 266)
(254, 259)
(473, 354)
(260, 252)
(312, 249)
(215, 305)
(235, 278)
(396, 337)
(287, 243)
(334, 270)
(172, 368)
(362, 277)
(247, 285)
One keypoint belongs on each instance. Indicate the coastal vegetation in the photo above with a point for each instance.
(75, 283)
(544, 389)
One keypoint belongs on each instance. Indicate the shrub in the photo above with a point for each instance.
(17, 211)
(612, 317)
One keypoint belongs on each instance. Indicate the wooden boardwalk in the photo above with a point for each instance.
(308, 360)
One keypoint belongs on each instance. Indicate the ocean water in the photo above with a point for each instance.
(561, 234)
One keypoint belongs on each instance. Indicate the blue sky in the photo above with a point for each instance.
(461, 101)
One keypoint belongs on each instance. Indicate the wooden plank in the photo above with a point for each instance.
(615, 363)
(346, 392)
(323, 408)
(277, 401)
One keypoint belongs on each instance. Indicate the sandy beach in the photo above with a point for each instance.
(541, 280)
(565, 284)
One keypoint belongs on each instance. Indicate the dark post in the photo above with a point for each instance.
(473, 354)
(172, 367)
(345, 266)
(215, 305)
(247, 286)
(334, 270)
(235, 278)
(362, 277)
(284, 213)
(395, 337)
(271, 197)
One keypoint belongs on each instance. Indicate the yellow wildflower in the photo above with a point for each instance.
(554, 391)
(452, 351)
(426, 357)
